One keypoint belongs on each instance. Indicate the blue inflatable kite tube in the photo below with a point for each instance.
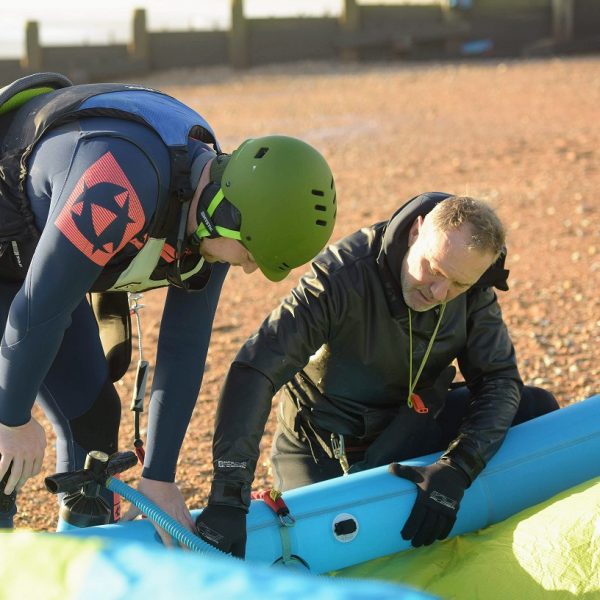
(353, 519)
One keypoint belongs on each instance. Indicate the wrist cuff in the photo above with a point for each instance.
(148, 473)
(227, 493)
(466, 460)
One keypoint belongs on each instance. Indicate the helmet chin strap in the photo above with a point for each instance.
(207, 227)
(211, 198)
(213, 195)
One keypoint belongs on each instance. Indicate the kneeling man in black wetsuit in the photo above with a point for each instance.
(363, 350)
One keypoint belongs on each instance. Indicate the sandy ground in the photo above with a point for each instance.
(523, 135)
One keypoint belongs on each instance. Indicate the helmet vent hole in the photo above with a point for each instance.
(317, 193)
(286, 265)
(261, 152)
(248, 238)
(320, 207)
(321, 223)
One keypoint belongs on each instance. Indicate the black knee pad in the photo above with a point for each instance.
(98, 427)
(542, 400)
(535, 402)
(111, 310)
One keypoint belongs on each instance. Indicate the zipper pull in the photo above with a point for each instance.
(417, 404)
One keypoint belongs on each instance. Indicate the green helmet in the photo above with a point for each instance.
(284, 191)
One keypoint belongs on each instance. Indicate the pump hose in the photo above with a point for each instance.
(161, 518)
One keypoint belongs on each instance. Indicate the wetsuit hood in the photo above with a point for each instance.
(394, 242)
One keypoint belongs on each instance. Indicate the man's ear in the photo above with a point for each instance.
(415, 228)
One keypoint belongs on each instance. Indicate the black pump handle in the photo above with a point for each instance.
(98, 472)
(120, 462)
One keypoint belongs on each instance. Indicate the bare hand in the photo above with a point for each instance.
(22, 447)
(165, 495)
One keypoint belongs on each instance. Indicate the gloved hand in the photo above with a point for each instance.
(223, 527)
(440, 489)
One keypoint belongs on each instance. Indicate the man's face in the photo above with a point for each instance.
(438, 266)
(226, 250)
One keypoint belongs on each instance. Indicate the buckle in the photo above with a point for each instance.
(338, 445)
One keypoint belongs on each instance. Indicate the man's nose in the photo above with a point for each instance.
(249, 267)
(439, 289)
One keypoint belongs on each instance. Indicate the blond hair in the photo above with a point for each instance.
(487, 231)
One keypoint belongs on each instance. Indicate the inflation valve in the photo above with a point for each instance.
(344, 527)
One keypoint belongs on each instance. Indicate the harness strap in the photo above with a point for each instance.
(274, 500)
(141, 379)
(286, 546)
(302, 420)
(335, 445)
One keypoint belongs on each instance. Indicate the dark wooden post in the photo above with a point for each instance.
(563, 12)
(33, 60)
(139, 49)
(350, 25)
(239, 48)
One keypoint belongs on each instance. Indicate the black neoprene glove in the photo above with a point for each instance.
(440, 488)
(223, 527)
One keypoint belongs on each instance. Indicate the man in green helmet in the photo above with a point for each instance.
(110, 188)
